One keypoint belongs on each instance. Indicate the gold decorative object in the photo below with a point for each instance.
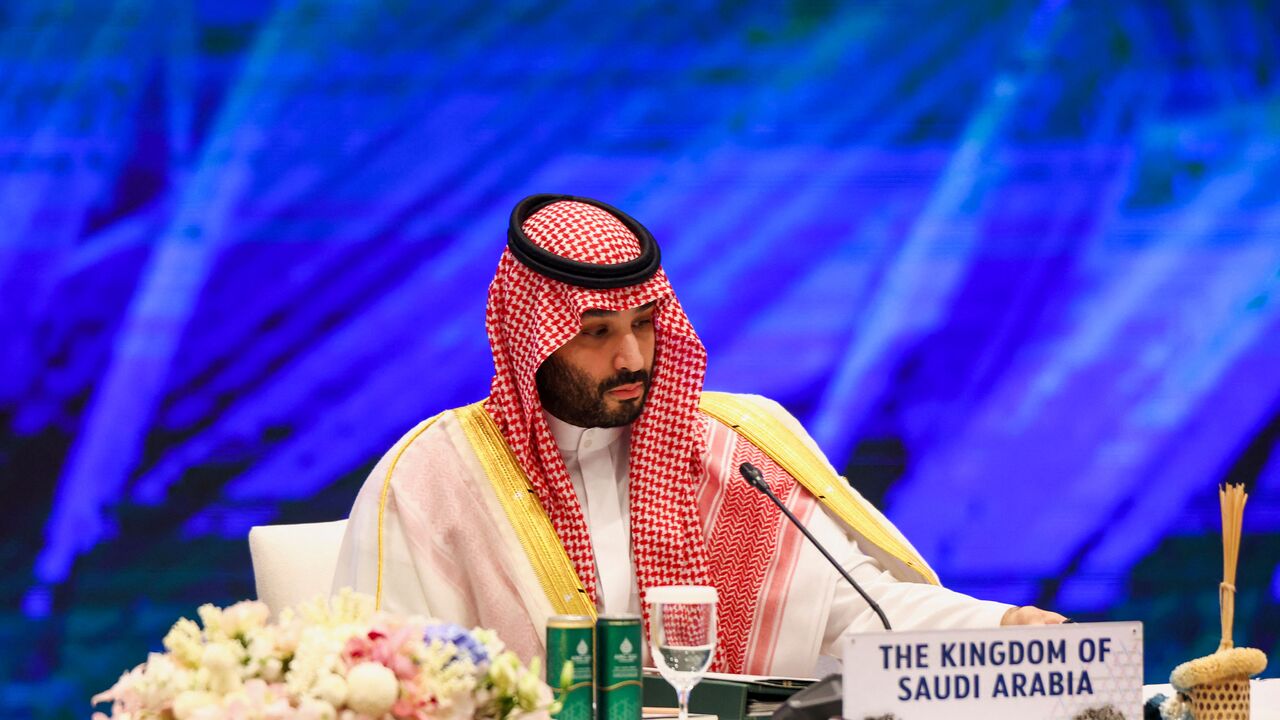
(1216, 687)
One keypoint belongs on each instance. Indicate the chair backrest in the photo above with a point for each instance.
(294, 563)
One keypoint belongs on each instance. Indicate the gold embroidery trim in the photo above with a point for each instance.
(382, 497)
(550, 562)
(783, 447)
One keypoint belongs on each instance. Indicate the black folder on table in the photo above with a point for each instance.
(728, 699)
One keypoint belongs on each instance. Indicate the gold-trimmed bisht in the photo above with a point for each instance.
(399, 449)
(782, 445)
(555, 571)
(551, 564)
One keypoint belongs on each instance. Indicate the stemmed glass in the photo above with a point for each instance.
(682, 635)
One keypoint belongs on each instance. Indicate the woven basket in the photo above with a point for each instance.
(1221, 700)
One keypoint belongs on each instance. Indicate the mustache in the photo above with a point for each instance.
(626, 377)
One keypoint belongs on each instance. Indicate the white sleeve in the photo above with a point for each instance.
(907, 605)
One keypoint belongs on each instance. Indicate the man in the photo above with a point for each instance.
(598, 468)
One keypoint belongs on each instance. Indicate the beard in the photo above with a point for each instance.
(569, 394)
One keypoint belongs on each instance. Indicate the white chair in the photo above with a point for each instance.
(294, 563)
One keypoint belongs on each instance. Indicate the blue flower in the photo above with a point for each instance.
(459, 637)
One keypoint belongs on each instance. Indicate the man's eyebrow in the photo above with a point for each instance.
(596, 312)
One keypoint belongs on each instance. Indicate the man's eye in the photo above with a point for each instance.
(642, 322)
(595, 331)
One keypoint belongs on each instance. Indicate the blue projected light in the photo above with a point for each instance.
(1015, 265)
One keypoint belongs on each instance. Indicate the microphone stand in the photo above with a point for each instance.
(822, 699)
(756, 479)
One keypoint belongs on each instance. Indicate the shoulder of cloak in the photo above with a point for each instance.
(461, 444)
(431, 448)
(767, 425)
(462, 452)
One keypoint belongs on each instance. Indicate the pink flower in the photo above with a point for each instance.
(391, 652)
(359, 648)
(414, 709)
(388, 650)
(255, 700)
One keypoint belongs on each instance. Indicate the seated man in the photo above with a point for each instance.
(598, 468)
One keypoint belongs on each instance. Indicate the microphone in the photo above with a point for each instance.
(756, 480)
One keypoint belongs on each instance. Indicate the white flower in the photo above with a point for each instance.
(451, 679)
(531, 692)
(266, 701)
(331, 688)
(211, 619)
(163, 679)
(288, 631)
(372, 689)
(504, 672)
(313, 709)
(348, 608)
(319, 653)
(493, 645)
(244, 617)
(221, 660)
(188, 702)
(185, 642)
(272, 669)
(263, 657)
(148, 688)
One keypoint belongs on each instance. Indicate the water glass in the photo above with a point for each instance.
(682, 635)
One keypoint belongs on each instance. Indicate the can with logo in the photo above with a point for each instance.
(619, 684)
(570, 642)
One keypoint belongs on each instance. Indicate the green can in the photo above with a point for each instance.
(619, 684)
(570, 642)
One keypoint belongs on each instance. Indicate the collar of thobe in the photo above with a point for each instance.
(602, 476)
(574, 439)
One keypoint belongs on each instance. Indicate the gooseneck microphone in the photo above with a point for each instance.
(756, 479)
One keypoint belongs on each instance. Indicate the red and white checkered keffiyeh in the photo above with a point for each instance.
(529, 317)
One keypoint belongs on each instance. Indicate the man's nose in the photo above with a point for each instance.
(628, 356)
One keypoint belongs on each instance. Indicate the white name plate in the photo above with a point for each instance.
(1082, 671)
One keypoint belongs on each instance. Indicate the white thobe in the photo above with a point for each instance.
(598, 461)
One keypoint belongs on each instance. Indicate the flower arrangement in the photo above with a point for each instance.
(329, 659)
